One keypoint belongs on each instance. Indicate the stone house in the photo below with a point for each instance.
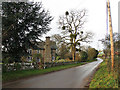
(46, 49)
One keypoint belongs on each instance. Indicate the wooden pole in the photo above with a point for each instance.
(111, 34)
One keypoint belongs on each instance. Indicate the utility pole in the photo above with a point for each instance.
(111, 34)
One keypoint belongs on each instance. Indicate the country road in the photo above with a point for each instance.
(68, 78)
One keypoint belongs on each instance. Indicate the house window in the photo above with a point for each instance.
(38, 60)
(53, 58)
(29, 58)
(38, 51)
(30, 51)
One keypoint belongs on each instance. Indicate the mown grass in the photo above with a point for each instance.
(104, 78)
(14, 75)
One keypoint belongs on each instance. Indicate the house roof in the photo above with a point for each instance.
(53, 45)
(41, 45)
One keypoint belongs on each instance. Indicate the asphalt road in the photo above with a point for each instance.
(68, 78)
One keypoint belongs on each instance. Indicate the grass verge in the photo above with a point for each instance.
(14, 75)
(103, 78)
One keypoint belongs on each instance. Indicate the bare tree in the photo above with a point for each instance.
(106, 42)
(59, 41)
(72, 24)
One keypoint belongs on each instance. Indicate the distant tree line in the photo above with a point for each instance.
(64, 51)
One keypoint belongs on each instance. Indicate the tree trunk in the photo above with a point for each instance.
(73, 53)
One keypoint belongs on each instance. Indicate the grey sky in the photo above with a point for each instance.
(96, 19)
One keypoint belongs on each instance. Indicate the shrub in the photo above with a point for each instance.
(17, 66)
(92, 53)
(58, 58)
(83, 56)
(4, 68)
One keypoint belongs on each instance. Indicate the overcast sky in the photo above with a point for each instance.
(96, 19)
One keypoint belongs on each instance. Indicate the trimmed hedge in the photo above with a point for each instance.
(53, 64)
(27, 66)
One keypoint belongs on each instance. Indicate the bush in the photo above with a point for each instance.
(4, 68)
(68, 55)
(17, 66)
(83, 56)
(58, 58)
(53, 64)
(92, 53)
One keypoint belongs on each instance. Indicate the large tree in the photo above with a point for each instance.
(60, 40)
(72, 25)
(22, 25)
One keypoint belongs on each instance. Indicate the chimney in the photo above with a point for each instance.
(47, 40)
(47, 50)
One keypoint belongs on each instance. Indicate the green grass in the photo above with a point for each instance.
(14, 75)
(92, 60)
(103, 78)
